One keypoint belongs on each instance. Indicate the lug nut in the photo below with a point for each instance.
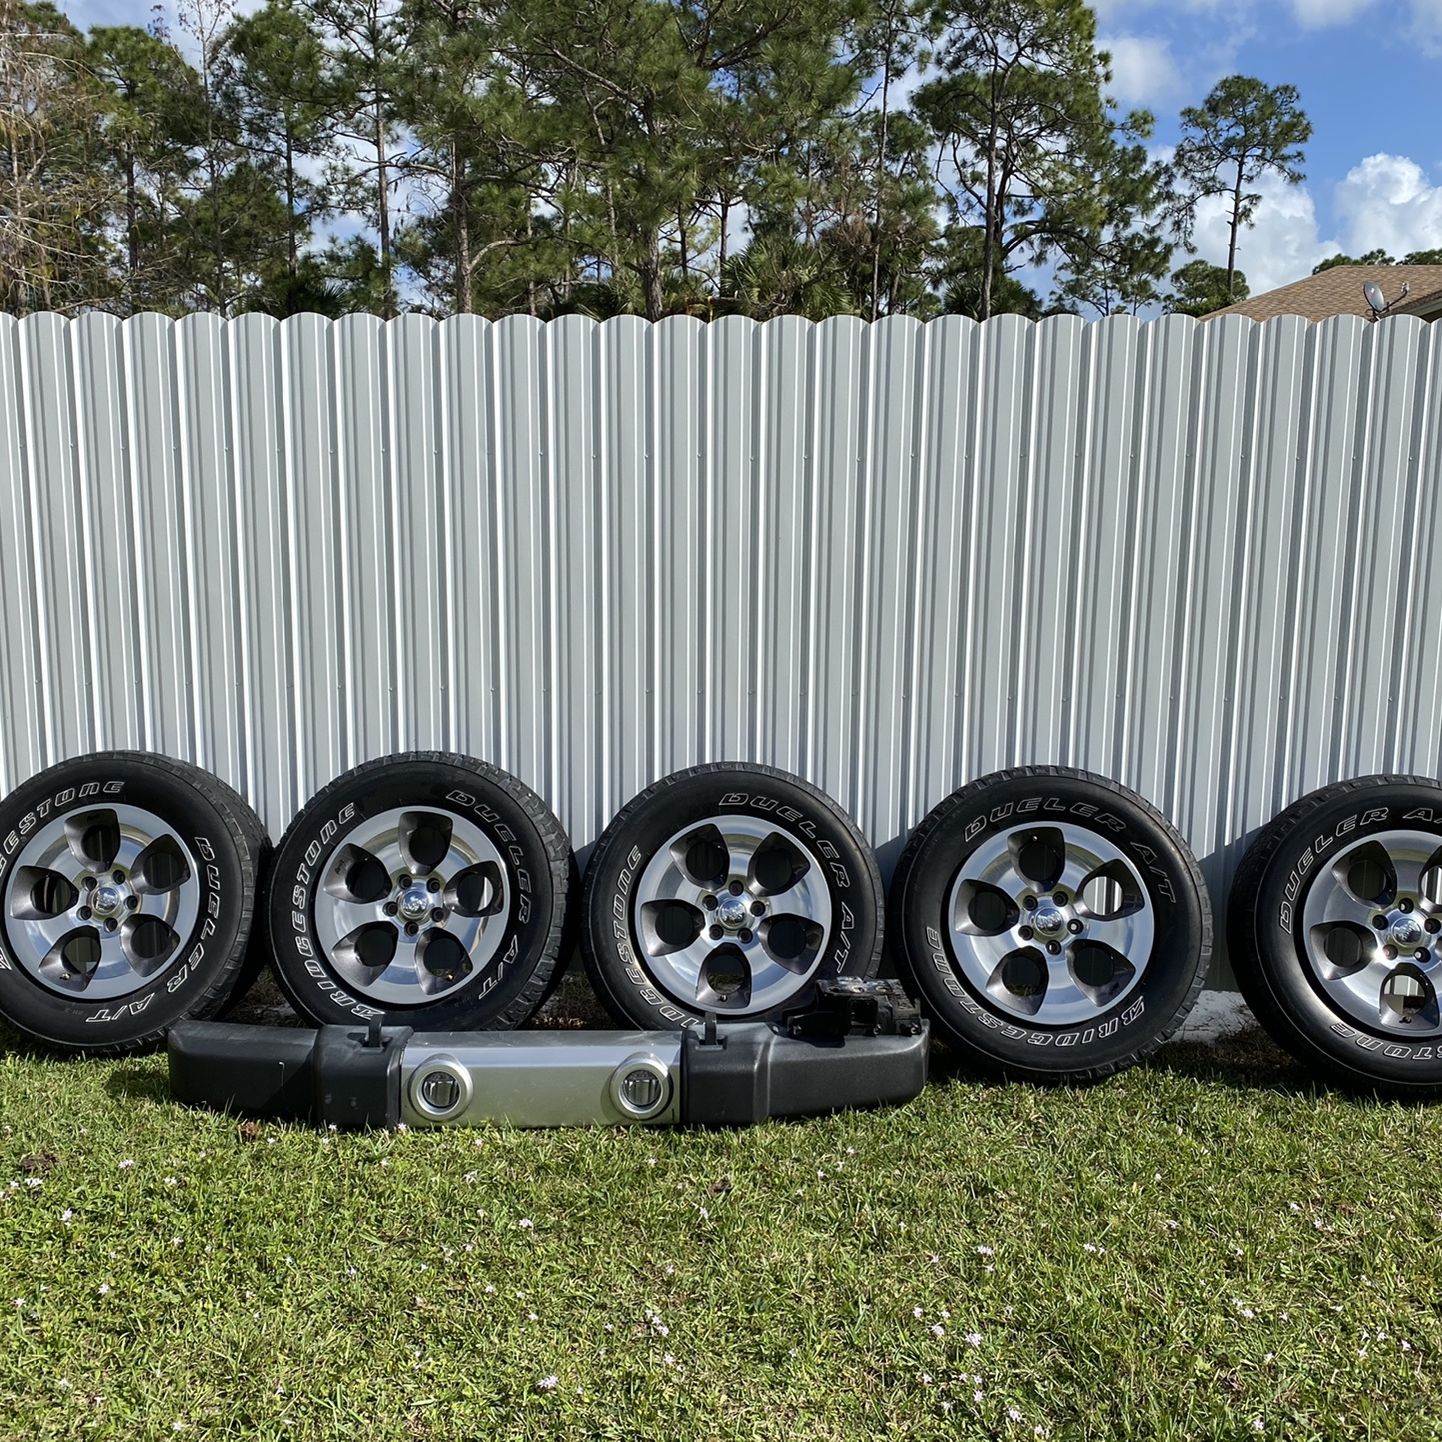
(744, 933)
(1054, 947)
(1029, 902)
(1433, 925)
(1059, 897)
(1405, 904)
(403, 880)
(434, 884)
(1026, 933)
(1421, 953)
(411, 928)
(117, 875)
(438, 913)
(716, 933)
(1390, 952)
(758, 908)
(709, 902)
(132, 902)
(1380, 922)
(390, 908)
(88, 882)
(736, 888)
(1074, 926)
(111, 924)
(84, 913)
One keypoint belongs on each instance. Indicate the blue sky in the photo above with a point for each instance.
(1370, 73)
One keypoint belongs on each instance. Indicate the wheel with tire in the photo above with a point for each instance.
(127, 892)
(730, 889)
(426, 890)
(1335, 932)
(1053, 923)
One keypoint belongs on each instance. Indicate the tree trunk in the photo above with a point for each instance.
(721, 260)
(991, 225)
(291, 248)
(880, 178)
(1236, 226)
(465, 301)
(132, 221)
(653, 295)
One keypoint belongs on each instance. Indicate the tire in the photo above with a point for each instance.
(356, 933)
(679, 906)
(1053, 924)
(177, 855)
(1308, 944)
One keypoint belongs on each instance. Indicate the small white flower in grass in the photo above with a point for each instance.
(177, 1426)
(525, 1224)
(1406, 1345)
(934, 1259)
(669, 1360)
(548, 1382)
(402, 1127)
(173, 1182)
(67, 1215)
(104, 1289)
(34, 1183)
(926, 1379)
(1171, 1224)
(1089, 1246)
(1294, 1206)
(976, 1396)
(64, 1384)
(851, 1151)
(973, 1339)
(917, 1313)
(489, 1289)
(945, 1315)
(1269, 1357)
(127, 1164)
(532, 1317)
(984, 1251)
(1256, 1424)
(937, 1330)
(1013, 1414)
(650, 1161)
(946, 1406)
(19, 1301)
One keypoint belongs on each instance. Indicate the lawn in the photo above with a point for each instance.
(1204, 1248)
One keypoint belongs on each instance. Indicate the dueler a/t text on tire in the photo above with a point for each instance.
(727, 888)
(127, 888)
(426, 890)
(1333, 928)
(1052, 922)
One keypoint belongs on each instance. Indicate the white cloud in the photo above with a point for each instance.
(1283, 245)
(1143, 70)
(1315, 14)
(1427, 25)
(1387, 201)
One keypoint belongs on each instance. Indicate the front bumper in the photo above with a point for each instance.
(725, 1075)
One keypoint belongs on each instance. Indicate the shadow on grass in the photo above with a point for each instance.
(128, 1082)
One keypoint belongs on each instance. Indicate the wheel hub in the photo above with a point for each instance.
(414, 903)
(106, 899)
(1407, 931)
(1048, 922)
(731, 912)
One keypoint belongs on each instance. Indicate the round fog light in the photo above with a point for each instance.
(641, 1087)
(441, 1089)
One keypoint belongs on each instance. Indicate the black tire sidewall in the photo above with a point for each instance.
(610, 947)
(1180, 947)
(210, 956)
(528, 953)
(1269, 946)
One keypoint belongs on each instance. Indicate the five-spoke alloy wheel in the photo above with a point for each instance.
(428, 890)
(127, 885)
(1054, 923)
(1335, 931)
(727, 889)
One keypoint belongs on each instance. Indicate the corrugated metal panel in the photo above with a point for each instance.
(889, 557)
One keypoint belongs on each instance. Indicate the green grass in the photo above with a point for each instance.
(1203, 1248)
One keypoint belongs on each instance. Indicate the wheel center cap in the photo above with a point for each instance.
(105, 900)
(1048, 921)
(731, 911)
(414, 903)
(1406, 931)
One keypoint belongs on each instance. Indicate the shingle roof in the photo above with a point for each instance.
(1338, 291)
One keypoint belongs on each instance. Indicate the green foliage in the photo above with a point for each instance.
(1380, 257)
(701, 157)
(1243, 130)
(1199, 288)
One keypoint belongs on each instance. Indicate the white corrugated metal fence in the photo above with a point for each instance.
(1197, 558)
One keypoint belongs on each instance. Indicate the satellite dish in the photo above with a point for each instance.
(1375, 298)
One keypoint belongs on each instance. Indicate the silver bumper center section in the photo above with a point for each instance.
(863, 1044)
